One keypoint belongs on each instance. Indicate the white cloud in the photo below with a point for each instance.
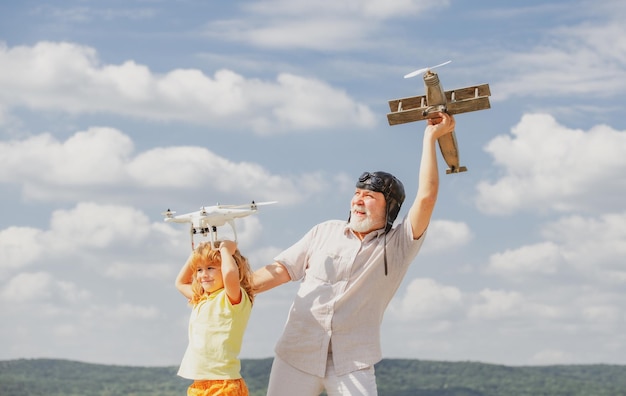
(376, 9)
(90, 162)
(87, 226)
(67, 77)
(4, 116)
(261, 257)
(114, 241)
(319, 26)
(586, 248)
(582, 60)
(539, 259)
(397, 9)
(96, 156)
(91, 225)
(496, 304)
(501, 304)
(79, 15)
(547, 165)
(447, 235)
(602, 313)
(41, 286)
(136, 269)
(315, 33)
(71, 293)
(18, 247)
(188, 167)
(546, 324)
(425, 298)
(131, 311)
(593, 246)
(28, 286)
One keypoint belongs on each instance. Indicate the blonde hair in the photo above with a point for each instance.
(205, 255)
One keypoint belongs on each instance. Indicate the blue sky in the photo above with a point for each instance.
(112, 112)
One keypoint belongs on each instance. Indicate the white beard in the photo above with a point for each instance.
(362, 225)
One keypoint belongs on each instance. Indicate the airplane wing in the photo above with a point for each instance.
(461, 100)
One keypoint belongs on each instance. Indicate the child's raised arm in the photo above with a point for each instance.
(230, 272)
(184, 279)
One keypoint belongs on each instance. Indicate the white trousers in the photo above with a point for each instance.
(286, 380)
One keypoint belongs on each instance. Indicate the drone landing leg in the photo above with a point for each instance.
(213, 237)
(232, 225)
(191, 232)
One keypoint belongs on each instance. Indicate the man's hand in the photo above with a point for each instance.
(440, 124)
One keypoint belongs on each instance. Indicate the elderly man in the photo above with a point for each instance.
(349, 273)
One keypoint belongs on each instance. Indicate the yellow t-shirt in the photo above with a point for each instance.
(216, 329)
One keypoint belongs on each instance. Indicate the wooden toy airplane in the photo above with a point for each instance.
(457, 101)
(206, 220)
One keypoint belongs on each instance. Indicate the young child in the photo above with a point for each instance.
(217, 284)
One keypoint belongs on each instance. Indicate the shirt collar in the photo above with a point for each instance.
(371, 235)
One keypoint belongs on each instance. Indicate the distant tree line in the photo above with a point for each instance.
(396, 377)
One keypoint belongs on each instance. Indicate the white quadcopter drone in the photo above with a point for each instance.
(206, 220)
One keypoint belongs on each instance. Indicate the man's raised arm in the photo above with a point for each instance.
(428, 187)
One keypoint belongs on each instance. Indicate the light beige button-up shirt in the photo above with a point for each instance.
(343, 294)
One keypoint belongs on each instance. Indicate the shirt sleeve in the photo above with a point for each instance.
(294, 258)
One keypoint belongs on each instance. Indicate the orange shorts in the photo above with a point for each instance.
(229, 387)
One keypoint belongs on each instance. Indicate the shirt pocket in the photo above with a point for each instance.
(327, 267)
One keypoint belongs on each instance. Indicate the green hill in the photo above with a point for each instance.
(396, 377)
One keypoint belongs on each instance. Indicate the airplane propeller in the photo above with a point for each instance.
(420, 71)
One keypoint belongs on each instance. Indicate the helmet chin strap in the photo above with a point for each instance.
(385, 248)
(385, 240)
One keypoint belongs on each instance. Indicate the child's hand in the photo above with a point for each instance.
(228, 247)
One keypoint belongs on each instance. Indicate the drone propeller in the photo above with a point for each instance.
(263, 203)
(250, 205)
(420, 71)
(168, 213)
